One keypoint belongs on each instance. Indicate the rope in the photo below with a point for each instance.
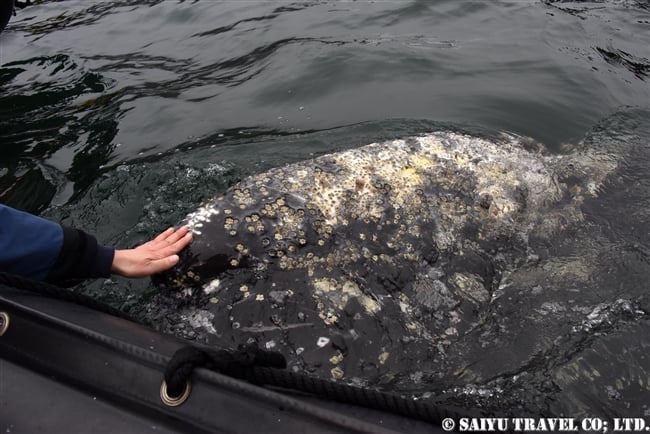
(264, 368)
(388, 402)
(234, 364)
(52, 291)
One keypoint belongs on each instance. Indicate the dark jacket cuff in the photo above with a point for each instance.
(103, 261)
(80, 258)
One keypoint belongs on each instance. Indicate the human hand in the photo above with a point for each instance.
(153, 256)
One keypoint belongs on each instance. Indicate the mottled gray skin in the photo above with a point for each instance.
(353, 263)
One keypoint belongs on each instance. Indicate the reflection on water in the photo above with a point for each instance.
(120, 117)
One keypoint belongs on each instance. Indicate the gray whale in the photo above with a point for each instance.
(352, 263)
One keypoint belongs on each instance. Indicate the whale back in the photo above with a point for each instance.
(403, 241)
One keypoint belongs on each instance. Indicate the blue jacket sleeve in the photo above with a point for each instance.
(37, 248)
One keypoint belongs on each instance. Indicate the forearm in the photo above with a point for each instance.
(29, 245)
(37, 248)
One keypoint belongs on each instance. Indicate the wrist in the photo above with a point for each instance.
(117, 267)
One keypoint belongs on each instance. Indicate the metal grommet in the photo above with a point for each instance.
(4, 322)
(175, 401)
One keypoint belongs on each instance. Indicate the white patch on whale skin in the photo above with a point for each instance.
(196, 219)
(212, 286)
(201, 319)
(332, 295)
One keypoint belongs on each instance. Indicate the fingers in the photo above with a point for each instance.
(174, 242)
(171, 235)
(132, 263)
(168, 238)
(164, 235)
(179, 244)
(163, 264)
(154, 256)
